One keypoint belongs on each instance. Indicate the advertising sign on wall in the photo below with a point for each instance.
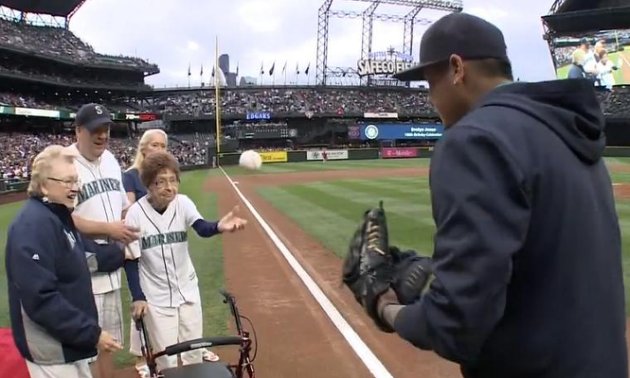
(380, 115)
(331, 155)
(274, 157)
(401, 152)
(397, 131)
(258, 115)
(354, 132)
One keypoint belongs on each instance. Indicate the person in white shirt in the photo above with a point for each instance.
(98, 214)
(605, 68)
(163, 282)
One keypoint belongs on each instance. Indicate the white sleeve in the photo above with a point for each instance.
(131, 219)
(191, 214)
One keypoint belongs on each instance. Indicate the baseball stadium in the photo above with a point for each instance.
(330, 150)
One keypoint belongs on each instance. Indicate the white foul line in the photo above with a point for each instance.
(370, 360)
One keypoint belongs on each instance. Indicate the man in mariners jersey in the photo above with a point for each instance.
(98, 214)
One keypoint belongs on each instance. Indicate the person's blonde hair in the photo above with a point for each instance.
(144, 140)
(42, 165)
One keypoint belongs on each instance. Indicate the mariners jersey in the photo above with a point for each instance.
(167, 275)
(101, 198)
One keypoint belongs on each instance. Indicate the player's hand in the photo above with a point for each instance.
(108, 343)
(122, 232)
(231, 222)
(138, 309)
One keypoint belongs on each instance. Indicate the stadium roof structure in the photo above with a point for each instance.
(57, 8)
(571, 17)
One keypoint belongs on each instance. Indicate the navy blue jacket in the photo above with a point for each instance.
(527, 259)
(132, 183)
(48, 263)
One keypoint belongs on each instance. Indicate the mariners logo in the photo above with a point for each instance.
(371, 132)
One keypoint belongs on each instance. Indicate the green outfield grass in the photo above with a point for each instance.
(331, 210)
(206, 255)
(563, 71)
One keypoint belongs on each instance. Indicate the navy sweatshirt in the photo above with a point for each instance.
(53, 314)
(527, 255)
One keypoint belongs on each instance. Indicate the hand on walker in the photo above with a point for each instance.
(138, 309)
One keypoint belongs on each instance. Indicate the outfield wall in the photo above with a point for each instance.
(271, 157)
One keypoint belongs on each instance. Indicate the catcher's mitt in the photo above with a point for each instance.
(371, 266)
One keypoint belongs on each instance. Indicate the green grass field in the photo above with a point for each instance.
(339, 203)
(331, 210)
(563, 71)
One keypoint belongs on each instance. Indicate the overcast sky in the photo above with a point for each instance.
(176, 33)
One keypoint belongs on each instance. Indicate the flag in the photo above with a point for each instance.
(297, 68)
(273, 67)
(262, 70)
(201, 73)
(284, 69)
(188, 69)
(307, 68)
(213, 71)
(222, 82)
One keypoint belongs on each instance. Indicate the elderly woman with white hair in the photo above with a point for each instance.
(151, 141)
(48, 264)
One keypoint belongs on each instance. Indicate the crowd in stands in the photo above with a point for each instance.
(61, 103)
(307, 101)
(80, 81)
(13, 99)
(348, 102)
(304, 102)
(17, 150)
(59, 43)
(615, 103)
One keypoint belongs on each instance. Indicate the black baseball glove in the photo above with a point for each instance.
(372, 267)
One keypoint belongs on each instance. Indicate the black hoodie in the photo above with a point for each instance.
(528, 272)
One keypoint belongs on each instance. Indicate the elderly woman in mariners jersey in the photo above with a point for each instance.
(48, 263)
(164, 284)
(151, 141)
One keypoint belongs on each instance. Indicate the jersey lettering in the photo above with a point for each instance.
(98, 186)
(173, 237)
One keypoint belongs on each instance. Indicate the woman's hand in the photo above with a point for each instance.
(138, 309)
(231, 222)
(108, 343)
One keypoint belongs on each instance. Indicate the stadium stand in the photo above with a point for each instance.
(47, 73)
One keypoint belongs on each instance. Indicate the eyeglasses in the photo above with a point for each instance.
(162, 183)
(68, 183)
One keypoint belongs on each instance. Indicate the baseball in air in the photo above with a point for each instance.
(250, 159)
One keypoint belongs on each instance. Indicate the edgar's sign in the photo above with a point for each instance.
(384, 63)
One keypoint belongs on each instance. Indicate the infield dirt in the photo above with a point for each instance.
(295, 335)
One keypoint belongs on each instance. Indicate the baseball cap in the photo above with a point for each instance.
(463, 34)
(91, 116)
